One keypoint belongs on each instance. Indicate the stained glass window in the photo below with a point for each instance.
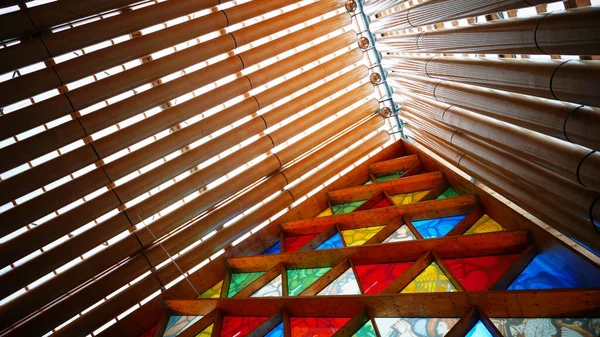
(479, 273)
(430, 280)
(335, 241)
(436, 228)
(374, 278)
(206, 332)
(294, 243)
(347, 207)
(274, 249)
(177, 324)
(276, 332)
(240, 281)
(366, 330)
(479, 330)
(485, 224)
(402, 234)
(421, 327)
(383, 203)
(345, 284)
(408, 198)
(213, 292)
(389, 177)
(557, 267)
(326, 212)
(358, 236)
(240, 326)
(273, 288)
(300, 279)
(542, 327)
(448, 193)
(316, 326)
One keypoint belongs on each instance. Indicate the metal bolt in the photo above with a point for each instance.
(375, 78)
(363, 43)
(351, 5)
(386, 112)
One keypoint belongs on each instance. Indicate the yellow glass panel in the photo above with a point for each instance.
(430, 280)
(407, 198)
(326, 212)
(485, 224)
(358, 236)
(206, 332)
(214, 292)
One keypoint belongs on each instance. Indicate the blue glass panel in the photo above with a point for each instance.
(436, 228)
(274, 249)
(479, 330)
(276, 332)
(335, 241)
(557, 267)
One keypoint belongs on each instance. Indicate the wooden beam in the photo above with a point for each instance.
(352, 326)
(374, 200)
(322, 237)
(412, 228)
(385, 232)
(455, 282)
(467, 222)
(162, 324)
(418, 168)
(447, 247)
(267, 326)
(326, 279)
(217, 321)
(287, 328)
(489, 325)
(435, 192)
(259, 282)
(538, 303)
(379, 216)
(413, 271)
(199, 325)
(464, 325)
(507, 278)
(415, 183)
(394, 165)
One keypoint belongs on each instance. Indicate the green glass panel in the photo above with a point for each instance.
(300, 279)
(430, 280)
(241, 281)
(347, 207)
(449, 193)
(367, 330)
(214, 292)
(389, 177)
(358, 236)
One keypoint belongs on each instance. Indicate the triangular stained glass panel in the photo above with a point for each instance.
(438, 227)
(430, 280)
(408, 198)
(326, 212)
(273, 288)
(335, 241)
(485, 224)
(448, 193)
(276, 332)
(347, 207)
(366, 330)
(479, 273)
(240, 326)
(402, 234)
(374, 278)
(294, 243)
(345, 284)
(300, 279)
(274, 249)
(563, 327)
(240, 281)
(420, 327)
(177, 324)
(389, 177)
(316, 326)
(358, 236)
(479, 330)
(206, 332)
(213, 292)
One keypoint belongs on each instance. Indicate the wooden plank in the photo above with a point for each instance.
(287, 328)
(218, 323)
(464, 325)
(385, 232)
(162, 324)
(467, 222)
(284, 282)
(379, 216)
(447, 247)
(326, 279)
(374, 200)
(489, 325)
(199, 325)
(417, 169)
(538, 303)
(259, 282)
(394, 165)
(412, 228)
(455, 282)
(435, 192)
(352, 326)
(226, 283)
(266, 326)
(413, 271)
(322, 237)
(507, 278)
(415, 183)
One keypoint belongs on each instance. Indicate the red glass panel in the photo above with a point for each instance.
(374, 278)
(240, 326)
(316, 326)
(294, 243)
(479, 273)
(383, 203)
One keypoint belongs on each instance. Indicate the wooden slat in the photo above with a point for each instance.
(419, 182)
(435, 192)
(218, 323)
(267, 326)
(394, 165)
(326, 279)
(464, 325)
(455, 282)
(505, 280)
(322, 237)
(385, 232)
(413, 271)
(259, 282)
(418, 168)
(352, 326)
(467, 222)
(162, 324)
(447, 247)
(528, 303)
(199, 325)
(372, 201)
